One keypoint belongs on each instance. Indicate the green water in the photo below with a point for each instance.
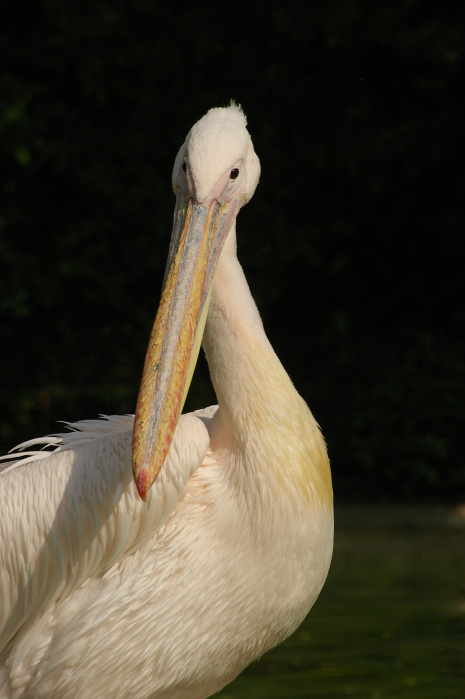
(389, 624)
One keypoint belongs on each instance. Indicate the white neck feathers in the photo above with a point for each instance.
(259, 407)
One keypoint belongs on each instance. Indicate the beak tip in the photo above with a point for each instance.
(143, 483)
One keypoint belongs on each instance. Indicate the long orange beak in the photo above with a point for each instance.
(199, 231)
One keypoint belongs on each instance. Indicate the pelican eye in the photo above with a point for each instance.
(184, 166)
(234, 174)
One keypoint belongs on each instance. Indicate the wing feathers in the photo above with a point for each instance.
(69, 514)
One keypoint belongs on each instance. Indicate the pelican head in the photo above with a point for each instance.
(215, 173)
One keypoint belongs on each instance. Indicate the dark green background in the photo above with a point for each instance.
(353, 243)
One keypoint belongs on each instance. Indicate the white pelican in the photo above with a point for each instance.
(105, 595)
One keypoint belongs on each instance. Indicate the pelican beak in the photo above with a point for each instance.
(199, 231)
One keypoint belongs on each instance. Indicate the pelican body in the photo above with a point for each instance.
(157, 556)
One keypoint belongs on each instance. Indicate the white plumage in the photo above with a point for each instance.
(105, 595)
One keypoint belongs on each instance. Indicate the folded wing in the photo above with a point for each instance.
(68, 514)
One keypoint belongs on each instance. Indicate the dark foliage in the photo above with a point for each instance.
(353, 244)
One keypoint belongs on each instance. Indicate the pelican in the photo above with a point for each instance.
(169, 580)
